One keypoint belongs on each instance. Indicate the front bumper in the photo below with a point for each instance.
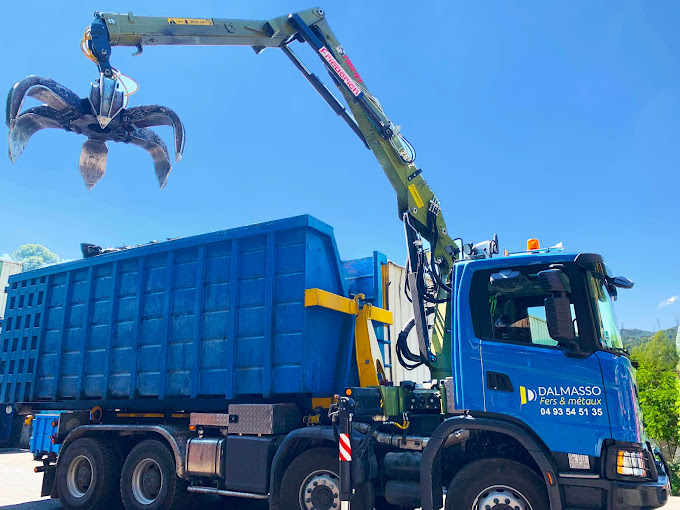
(614, 494)
(635, 496)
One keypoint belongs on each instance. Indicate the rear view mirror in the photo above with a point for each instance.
(504, 275)
(557, 308)
(550, 281)
(622, 282)
(560, 325)
(507, 280)
(458, 248)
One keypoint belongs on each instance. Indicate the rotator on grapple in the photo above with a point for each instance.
(102, 117)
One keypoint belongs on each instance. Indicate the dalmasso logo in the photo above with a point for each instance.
(526, 395)
(578, 395)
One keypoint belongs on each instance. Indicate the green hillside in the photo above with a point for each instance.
(634, 337)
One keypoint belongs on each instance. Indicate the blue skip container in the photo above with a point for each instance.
(184, 324)
(40, 444)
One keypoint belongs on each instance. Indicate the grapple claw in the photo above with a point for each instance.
(30, 122)
(92, 163)
(156, 147)
(102, 118)
(154, 115)
(43, 89)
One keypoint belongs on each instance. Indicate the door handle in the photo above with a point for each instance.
(499, 382)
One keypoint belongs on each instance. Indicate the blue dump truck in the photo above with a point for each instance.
(220, 363)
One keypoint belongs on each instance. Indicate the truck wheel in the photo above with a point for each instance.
(311, 482)
(149, 480)
(496, 484)
(87, 476)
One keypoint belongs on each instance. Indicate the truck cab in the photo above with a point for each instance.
(577, 395)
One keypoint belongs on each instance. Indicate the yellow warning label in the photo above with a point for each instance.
(416, 195)
(189, 21)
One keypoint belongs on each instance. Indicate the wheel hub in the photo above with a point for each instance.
(501, 497)
(79, 476)
(320, 491)
(147, 481)
(151, 481)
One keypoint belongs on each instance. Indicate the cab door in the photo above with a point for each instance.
(559, 394)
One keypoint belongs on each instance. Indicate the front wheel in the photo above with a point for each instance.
(496, 484)
(311, 482)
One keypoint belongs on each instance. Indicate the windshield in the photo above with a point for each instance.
(603, 311)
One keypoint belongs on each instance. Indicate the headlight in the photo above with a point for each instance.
(632, 463)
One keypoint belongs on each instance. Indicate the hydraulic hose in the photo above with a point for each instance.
(435, 273)
(404, 354)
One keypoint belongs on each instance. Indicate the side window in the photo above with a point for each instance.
(510, 306)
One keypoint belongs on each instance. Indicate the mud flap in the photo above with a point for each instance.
(49, 487)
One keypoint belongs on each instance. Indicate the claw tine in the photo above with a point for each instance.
(92, 163)
(44, 89)
(29, 123)
(155, 146)
(154, 115)
(180, 134)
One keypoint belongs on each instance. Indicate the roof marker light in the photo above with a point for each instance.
(532, 244)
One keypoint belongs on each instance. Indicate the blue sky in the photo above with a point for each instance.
(555, 120)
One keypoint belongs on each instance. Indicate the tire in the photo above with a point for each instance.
(149, 480)
(317, 471)
(496, 483)
(87, 476)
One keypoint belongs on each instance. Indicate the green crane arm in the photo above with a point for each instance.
(417, 203)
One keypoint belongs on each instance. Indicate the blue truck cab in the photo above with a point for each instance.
(577, 401)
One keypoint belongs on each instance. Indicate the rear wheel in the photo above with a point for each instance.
(311, 482)
(87, 476)
(497, 484)
(148, 480)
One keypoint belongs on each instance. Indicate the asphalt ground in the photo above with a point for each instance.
(20, 488)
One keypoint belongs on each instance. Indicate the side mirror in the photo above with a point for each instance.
(622, 282)
(558, 309)
(550, 281)
(458, 248)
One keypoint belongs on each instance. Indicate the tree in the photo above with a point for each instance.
(34, 256)
(658, 391)
(658, 353)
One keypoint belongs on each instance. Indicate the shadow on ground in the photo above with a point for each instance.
(203, 502)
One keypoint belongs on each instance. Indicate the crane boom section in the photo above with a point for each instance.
(395, 155)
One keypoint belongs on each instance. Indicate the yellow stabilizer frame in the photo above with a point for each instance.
(369, 359)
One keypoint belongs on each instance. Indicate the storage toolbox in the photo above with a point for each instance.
(263, 419)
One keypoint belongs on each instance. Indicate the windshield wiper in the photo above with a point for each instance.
(622, 351)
